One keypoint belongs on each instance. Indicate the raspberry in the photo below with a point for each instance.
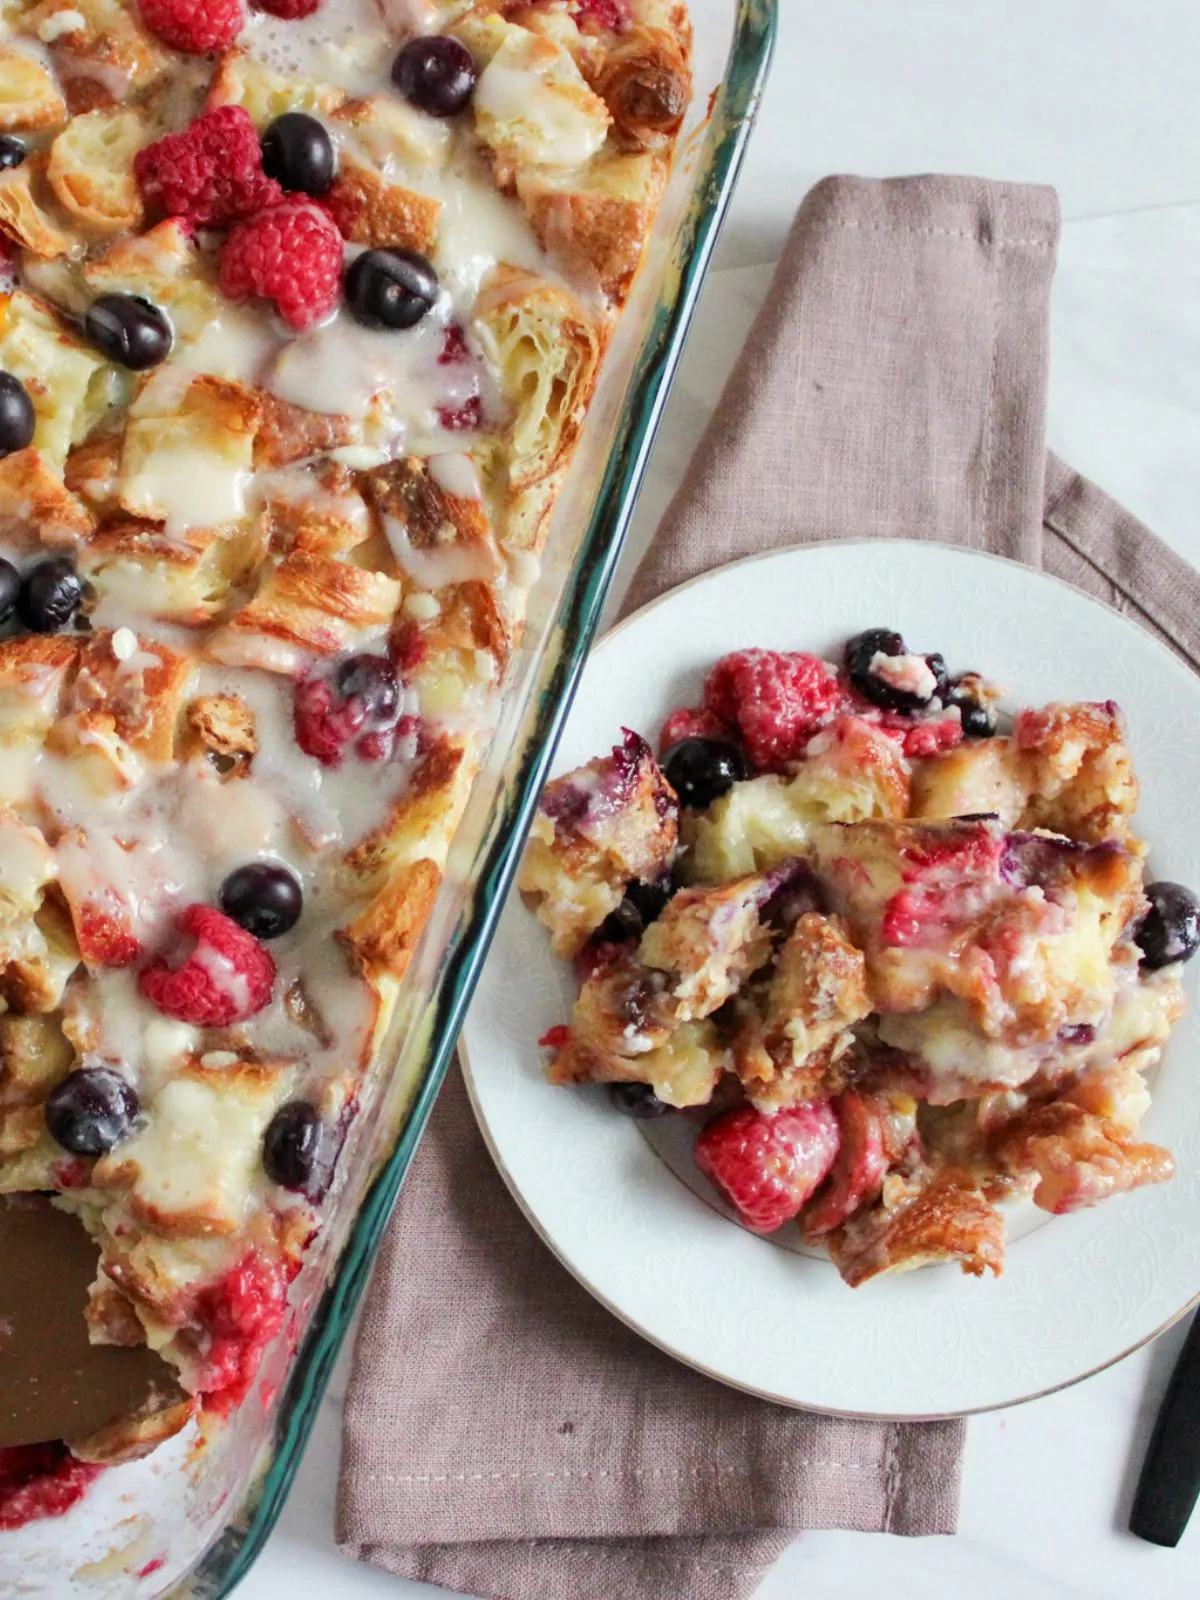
(195, 26)
(918, 738)
(953, 858)
(767, 1167)
(609, 14)
(243, 1313)
(359, 704)
(777, 699)
(290, 253)
(455, 349)
(950, 878)
(289, 10)
(324, 723)
(463, 418)
(227, 977)
(75, 1173)
(917, 920)
(689, 723)
(210, 173)
(40, 1480)
(105, 937)
(720, 697)
(928, 738)
(377, 746)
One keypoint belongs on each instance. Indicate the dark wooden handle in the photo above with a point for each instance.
(1170, 1480)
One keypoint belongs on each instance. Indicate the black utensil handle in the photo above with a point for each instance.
(1170, 1481)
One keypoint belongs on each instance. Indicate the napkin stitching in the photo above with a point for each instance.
(601, 1472)
(1144, 608)
(943, 233)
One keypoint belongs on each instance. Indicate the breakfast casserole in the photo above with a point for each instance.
(895, 951)
(305, 304)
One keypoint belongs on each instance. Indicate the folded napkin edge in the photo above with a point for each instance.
(911, 1486)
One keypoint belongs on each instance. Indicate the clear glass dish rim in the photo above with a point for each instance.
(227, 1561)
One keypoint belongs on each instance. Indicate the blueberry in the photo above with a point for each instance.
(702, 770)
(435, 74)
(798, 893)
(10, 587)
(1028, 860)
(642, 905)
(12, 151)
(129, 330)
(91, 1110)
(49, 595)
(390, 288)
(861, 652)
(298, 153)
(636, 1100)
(1076, 1033)
(936, 663)
(620, 926)
(263, 898)
(649, 899)
(292, 1146)
(862, 649)
(978, 719)
(17, 416)
(1170, 930)
(373, 680)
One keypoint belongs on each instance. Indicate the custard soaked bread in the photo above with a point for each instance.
(302, 322)
(907, 957)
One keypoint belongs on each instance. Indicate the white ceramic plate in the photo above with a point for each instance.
(648, 1238)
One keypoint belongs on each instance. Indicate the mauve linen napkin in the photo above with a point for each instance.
(505, 1435)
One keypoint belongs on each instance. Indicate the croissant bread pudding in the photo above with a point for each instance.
(304, 308)
(896, 953)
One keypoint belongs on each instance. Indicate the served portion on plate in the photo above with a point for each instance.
(895, 952)
(306, 307)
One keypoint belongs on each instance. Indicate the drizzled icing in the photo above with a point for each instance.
(149, 840)
(344, 42)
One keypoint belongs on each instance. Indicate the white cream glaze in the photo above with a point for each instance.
(556, 131)
(403, 18)
(199, 1151)
(145, 842)
(110, 75)
(457, 474)
(62, 22)
(478, 226)
(330, 805)
(434, 569)
(348, 370)
(239, 344)
(25, 862)
(344, 42)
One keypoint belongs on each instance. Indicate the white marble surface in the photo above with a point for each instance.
(1100, 101)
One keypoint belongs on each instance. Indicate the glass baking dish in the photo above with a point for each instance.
(189, 1521)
